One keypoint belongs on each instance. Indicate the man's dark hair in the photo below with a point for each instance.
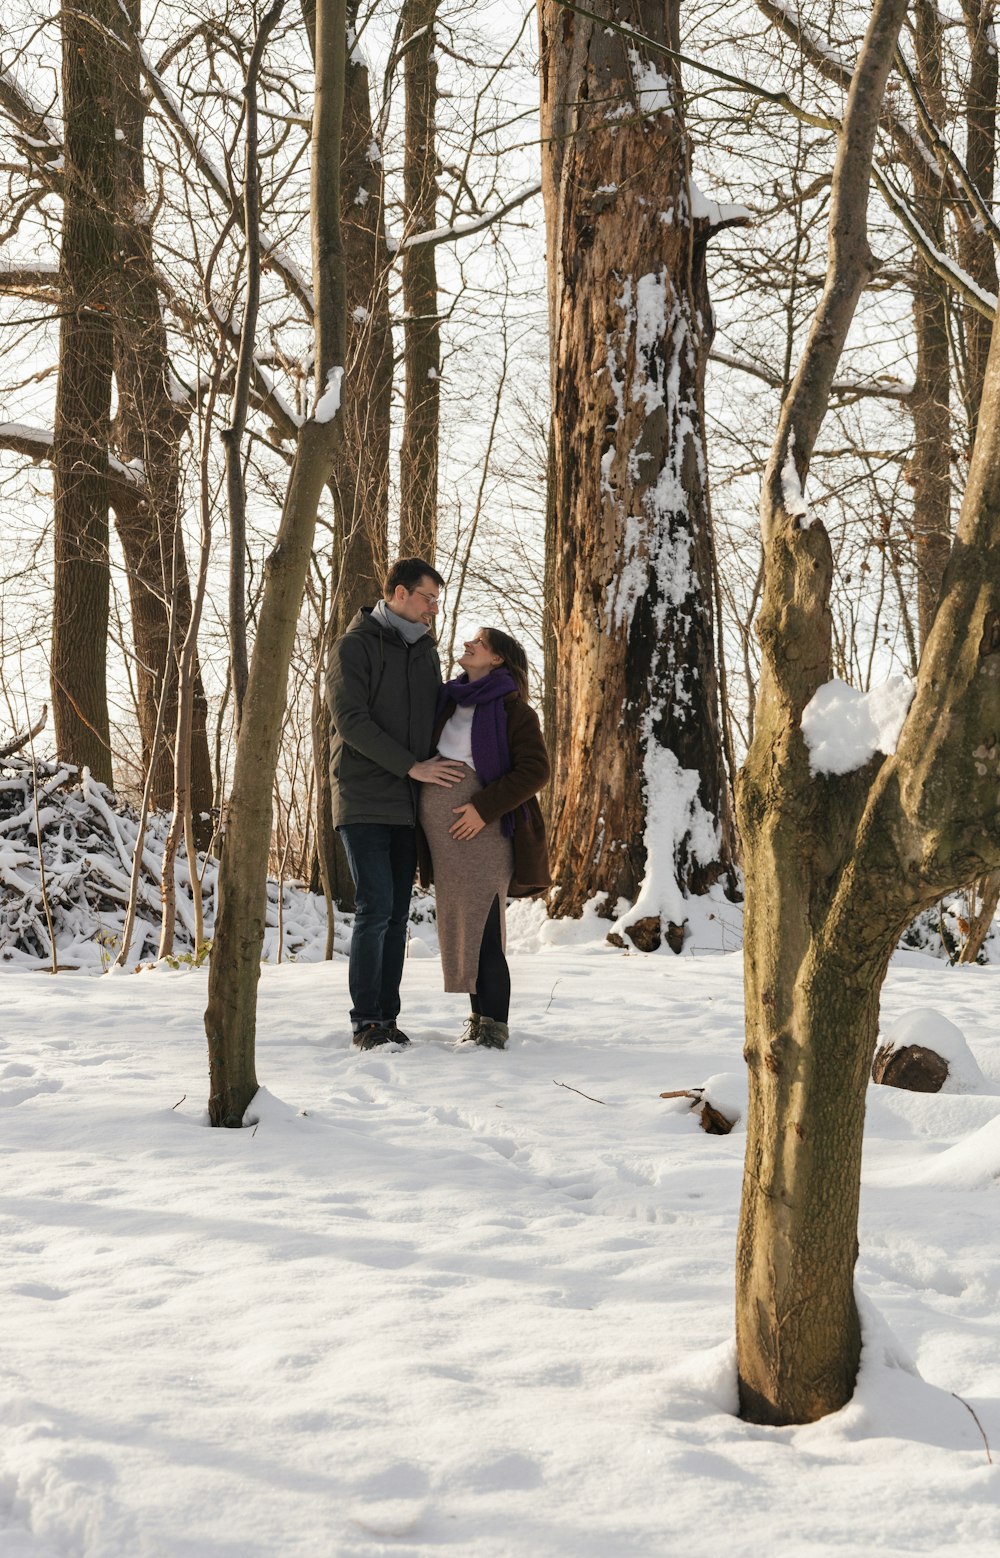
(408, 572)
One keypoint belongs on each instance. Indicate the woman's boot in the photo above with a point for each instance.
(492, 1034)
(470, 1033)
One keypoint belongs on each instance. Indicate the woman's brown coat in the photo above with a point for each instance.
(529, 772)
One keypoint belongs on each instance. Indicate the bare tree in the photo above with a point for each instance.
(230, 1019)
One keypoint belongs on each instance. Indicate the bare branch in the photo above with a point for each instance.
(472, 224)
(28, 735)
(845, 389)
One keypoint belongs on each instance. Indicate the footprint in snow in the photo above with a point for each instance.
(11, 1096)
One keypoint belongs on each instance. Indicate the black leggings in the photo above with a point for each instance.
(491, 997)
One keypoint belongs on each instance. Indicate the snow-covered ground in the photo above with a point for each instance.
(436, 1303)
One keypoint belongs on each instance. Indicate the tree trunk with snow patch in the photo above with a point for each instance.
(641, 809)
(838, 862)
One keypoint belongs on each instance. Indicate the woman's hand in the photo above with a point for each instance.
(468, 822)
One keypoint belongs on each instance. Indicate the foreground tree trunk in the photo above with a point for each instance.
(418, 455)
(836, 865)
(87, 284)
(641, 810)
(230, 1019)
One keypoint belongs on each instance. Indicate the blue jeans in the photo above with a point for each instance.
(383, 862)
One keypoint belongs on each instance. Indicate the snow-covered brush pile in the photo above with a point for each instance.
(82, 838)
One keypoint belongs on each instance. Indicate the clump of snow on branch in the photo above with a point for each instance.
(844, 728)
(792, 494)
(329, 402)
(716, 213)
(675, 820)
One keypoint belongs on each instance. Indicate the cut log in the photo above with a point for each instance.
(711, 1120)
(647, 934)
(913, 1067)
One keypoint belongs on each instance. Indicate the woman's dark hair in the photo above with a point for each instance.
(408, 571)
(514, 657)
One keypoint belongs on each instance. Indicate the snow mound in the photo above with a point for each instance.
(727, 1092)
(972, 1164)
(930, 1029)
(844, 728)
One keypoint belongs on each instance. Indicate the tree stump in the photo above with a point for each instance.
(914, 1067)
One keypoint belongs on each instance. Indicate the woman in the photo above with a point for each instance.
(483, 839)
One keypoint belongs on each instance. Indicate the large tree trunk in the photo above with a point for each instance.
(230, 1019)
(634, 727)
(87, 283)
(151, 419)
(418, 455)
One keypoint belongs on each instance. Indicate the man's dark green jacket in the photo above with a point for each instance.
(382, 695)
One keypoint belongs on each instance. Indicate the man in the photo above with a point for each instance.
(382, 689)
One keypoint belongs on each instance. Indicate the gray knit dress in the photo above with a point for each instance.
(468, 875)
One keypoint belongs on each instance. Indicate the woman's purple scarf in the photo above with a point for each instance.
(490, 748)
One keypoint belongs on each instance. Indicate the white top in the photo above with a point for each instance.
(456, 737)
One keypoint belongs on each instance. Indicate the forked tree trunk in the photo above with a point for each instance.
(418, 455)
(83, 394)
(230, 1020)
(815, 951)
(641, 810)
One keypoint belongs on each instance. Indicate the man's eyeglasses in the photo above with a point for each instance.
(433, 601)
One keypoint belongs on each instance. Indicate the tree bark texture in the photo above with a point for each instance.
(834, 871)
(234, 969)
(930, 472)
(87, 284)
(638, 773)
(360, 485)
(976, 250)
(361, 480)
(978, 256)
(151, 419)
(418, 455)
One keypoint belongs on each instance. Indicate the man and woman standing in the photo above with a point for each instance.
(449, 772)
